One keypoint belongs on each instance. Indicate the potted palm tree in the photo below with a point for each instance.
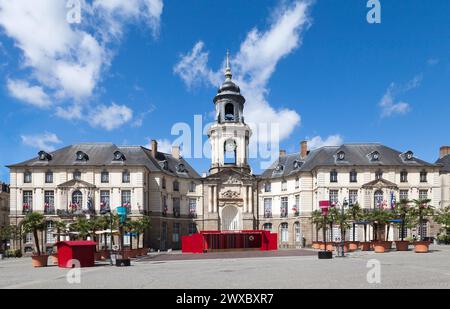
(34, 223)
(342, 221)
(81, 229)
(379, 219)
(401, 212)
(317, 220)
(365, 217)
(140, 226)
(354, 213)
(419, 212)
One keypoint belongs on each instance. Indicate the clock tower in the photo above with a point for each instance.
(229, 135)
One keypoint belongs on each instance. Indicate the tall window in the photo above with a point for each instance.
(104, 199)
(27, 177)
(333, 176)
(192, 186)
(49, 202)
(297, 183)
(353, 196)
(284, 232)
(192, 228)
(334, 197)
(403, 176)
(105, 177)
(353, 176)
(126, 177)
(404, 195)
(297, 232)
(27, 201)
(176, 232)
(267, 187)
(163, 183)
(378, 199)
(126, 199)
(283, 185)
(192, 207)
(297, 202)
(176, 207)
(423, 195)
(378, 174)
(284, 206)
(49, 238)
(77, 175)
(176, 186)
(423, 176)
(49, 177)
(267, 208)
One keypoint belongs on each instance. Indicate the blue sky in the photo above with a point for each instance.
(127, 75)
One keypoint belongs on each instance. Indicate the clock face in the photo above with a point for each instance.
(230, 146)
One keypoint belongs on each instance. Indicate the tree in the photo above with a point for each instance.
(354, 213)
(59, 227)
(140, 226)
(342, 220)
(6, 233)
(365, 217)
(331, 219)
(82, 228)
(421, 210)
(33, 223)
(443, 218)
(402, 212)
(379, 218)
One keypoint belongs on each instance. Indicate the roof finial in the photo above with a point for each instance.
(228, 73)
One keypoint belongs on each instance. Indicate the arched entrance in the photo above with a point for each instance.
(230, 219)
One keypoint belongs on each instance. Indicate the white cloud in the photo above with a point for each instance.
(23, 91)
(45, 141)
(332, 140)
(67, 60)
(110, 117)
(389, 104)
(254, 65)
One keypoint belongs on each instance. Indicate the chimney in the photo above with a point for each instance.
(154, 148)
(445, 150)
(282, 153)
(303, 149)
(176, 152)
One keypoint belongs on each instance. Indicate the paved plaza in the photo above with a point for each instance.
(283, 269)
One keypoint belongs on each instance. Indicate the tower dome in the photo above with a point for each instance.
(229, 90)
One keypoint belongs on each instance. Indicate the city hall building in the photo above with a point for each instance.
(82, 179)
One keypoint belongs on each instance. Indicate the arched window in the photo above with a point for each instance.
(77, 200)
(229, 112)
(297, 232)
(267, 226)
(378, 199)
(230, 152)
(284, 231)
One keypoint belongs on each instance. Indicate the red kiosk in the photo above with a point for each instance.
(69, 252)
(207, 241)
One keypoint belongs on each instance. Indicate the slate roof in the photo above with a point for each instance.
(444, 163)
(102, 154)
(355, 155)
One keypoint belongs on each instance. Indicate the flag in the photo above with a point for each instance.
(392, 200)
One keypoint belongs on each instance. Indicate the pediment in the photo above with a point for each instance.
(76, 183)
(380, 184)
(231, 176)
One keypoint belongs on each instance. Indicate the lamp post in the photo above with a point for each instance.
(343, 205)
(325, 206)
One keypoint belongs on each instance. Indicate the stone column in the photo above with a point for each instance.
(210, 199)
(245, 199)
(250, 203)
(215, 199)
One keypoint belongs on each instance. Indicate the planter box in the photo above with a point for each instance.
(402, 245)
(54, 259)
(322, 246)
(353, 245)
(379, 247)
(39, 260)
(316, 245)
(105, 254)
(421, 246)
(365, 246)
(98, 256)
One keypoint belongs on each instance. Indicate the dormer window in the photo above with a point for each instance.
(44, 156)
(81, 156)
(409, 155)
(119, 156)
(375, 156)
(297, 164)
(279, 168)
(181, 168)
(164, 165)
(341, 156)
